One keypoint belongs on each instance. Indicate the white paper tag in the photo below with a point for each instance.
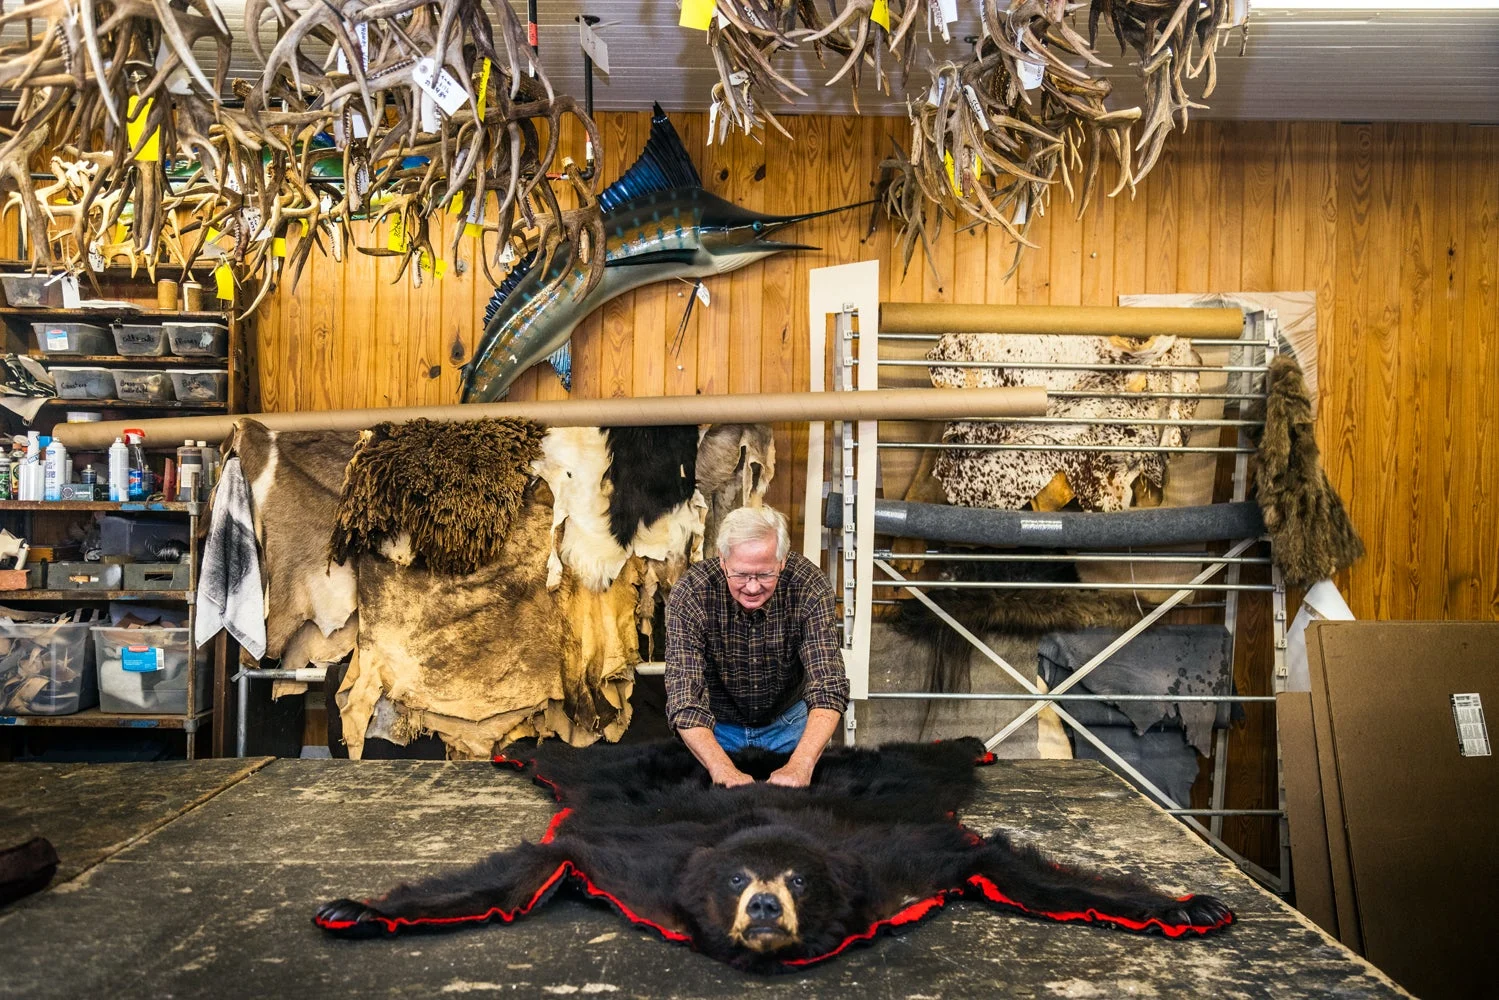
(1031, 73)
(984, 17)
(976, 107)
(738, 77)
(702, 295)
(949, 9)
(437, 81)
(712, 122)
(1022, 210)
(1472, 730)
(1238, 13)
(596, 48)
(357, 123)
(426, 106)
(939, 87)
(940, 16)
(507, 254)
(362, 32)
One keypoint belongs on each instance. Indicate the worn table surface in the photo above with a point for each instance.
(217, 902)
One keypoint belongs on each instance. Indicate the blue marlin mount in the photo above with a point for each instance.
(659, 224)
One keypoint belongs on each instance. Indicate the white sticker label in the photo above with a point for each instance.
(437, 81)
(595, 47)
(976, 107)
(1031, 73)
(1037, 524)
(1472, 730)
(57, 340)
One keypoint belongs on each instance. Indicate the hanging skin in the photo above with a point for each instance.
(659, 224)
(764, 878)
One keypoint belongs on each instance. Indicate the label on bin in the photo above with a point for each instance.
(141, 659)
(57, 340)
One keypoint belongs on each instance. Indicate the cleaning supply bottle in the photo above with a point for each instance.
(140, 473)
(211, 463)
(189, 472)
(31, 467)
(119, 471)
(56, 471)
(17, 457)
(4, 474)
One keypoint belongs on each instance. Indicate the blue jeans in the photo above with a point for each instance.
(780, 736)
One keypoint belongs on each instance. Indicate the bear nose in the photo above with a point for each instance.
(763, 906)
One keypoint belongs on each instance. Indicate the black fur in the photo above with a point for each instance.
(875, 832)
(652, 470)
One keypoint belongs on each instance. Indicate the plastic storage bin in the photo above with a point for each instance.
(140, 341)
(72, 338)
(143, 671)
(83, 383)
(207, 340)
(32, 290)
(143, 384)
(46, 670)
(200, 386)
(134, 537)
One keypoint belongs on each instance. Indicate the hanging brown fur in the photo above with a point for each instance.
(1311, 535)
(453, 487)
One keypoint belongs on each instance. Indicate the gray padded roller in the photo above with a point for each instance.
(1032, 529)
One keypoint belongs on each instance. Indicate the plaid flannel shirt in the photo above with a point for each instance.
(726, 664)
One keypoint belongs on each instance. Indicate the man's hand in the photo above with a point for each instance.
(731, 777)
(792, 775)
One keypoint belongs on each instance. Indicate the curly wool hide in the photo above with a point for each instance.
(1100, 480)
(451, 487)
(1311, 535)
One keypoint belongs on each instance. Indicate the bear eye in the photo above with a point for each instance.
(737, 881)
(798, 882)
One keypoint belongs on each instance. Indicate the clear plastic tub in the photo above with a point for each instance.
(72, 338)
(46, 670)
(200, 386)
(135, 537)
(83, 383)
(207, 340)
(143, 671)
(140, 341)
(143, 384)
(32, 290)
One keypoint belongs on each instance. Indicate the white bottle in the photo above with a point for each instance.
(119, 471)
(56, 472)
(31, 467)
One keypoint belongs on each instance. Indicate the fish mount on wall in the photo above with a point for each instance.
(659, 224)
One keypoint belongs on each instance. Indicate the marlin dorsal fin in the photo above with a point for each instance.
(515, 277)
(562, 363)
(662, 165)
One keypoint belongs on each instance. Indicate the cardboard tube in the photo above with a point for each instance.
(771, 408)
(1094, 321)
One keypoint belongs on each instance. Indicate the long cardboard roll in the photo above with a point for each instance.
(922, 317)
(773, 408)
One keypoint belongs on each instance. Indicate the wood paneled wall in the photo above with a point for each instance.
(1396, 227)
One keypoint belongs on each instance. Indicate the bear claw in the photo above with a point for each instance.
(1200, 911)
(351, 919)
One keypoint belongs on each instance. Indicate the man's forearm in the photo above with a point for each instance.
(704, 746)
(822, 723)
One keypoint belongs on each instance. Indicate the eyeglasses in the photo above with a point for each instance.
(761, 578)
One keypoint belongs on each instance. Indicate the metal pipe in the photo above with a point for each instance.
(1089, 394)
(958, 446)
(312, 675)
(1069, 585)
(928, 317)
(1042, 696)
(1224, 812)
(1121, 421)
(1164, 557)
(1066, 366)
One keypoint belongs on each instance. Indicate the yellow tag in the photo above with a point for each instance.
(278, 246)
(881, 13)
(121, 233)
(135, 127)
(213, 234)
(483, 89)
(978, 167)
(424, 260)
(441, 269)
(456, 205)
(224, 278)
(305, 227)
(473, 229)
(952, 176)
(697, 14)
(397, 240)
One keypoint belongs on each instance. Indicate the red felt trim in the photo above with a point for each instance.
(555, 824)
(992, 893)
(911, 914)
(987, 759)
(507, 916)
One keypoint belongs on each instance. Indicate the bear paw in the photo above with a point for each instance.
(1199, 912)
(351, 919)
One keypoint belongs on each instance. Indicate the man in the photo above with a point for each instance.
(752, 653)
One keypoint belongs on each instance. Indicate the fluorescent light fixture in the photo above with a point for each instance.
(1405, 6)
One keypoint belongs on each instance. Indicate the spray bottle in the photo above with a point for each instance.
(55, 473)
(119, 471)
(140, 472)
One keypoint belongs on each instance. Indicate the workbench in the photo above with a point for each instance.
(200, 880)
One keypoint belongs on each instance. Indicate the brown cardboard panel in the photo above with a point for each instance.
(1311, 868)
(1332, 798)
(1421, 818)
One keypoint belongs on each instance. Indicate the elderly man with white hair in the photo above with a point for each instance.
(752, 652)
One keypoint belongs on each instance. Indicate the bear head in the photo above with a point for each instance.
(767, 894)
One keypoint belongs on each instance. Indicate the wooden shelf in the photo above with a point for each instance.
(133, 404)
(172, 360)
(92, 718)
(7, 596)
(170, 315)
(129, 506)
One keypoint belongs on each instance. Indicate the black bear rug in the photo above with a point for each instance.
(765, 878)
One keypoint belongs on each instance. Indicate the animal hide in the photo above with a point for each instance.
(295, 478)
(1311, 534)
(486, 658)
(1099, 480)
(651, 471)
(450, 487)
(735, 463)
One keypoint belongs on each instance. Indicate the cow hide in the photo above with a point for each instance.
(651, 471)
(574, 461)
(295, 478)
(735, 463)
(1099, 480)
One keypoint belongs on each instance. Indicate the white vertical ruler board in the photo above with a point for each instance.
(829, 289)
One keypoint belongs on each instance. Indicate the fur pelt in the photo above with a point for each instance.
(735, 464)
(1311, 535)
(295, 478)
(1100, 480)
(574, 461)
(1014, 612)
(651, 470)
(451, 487)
